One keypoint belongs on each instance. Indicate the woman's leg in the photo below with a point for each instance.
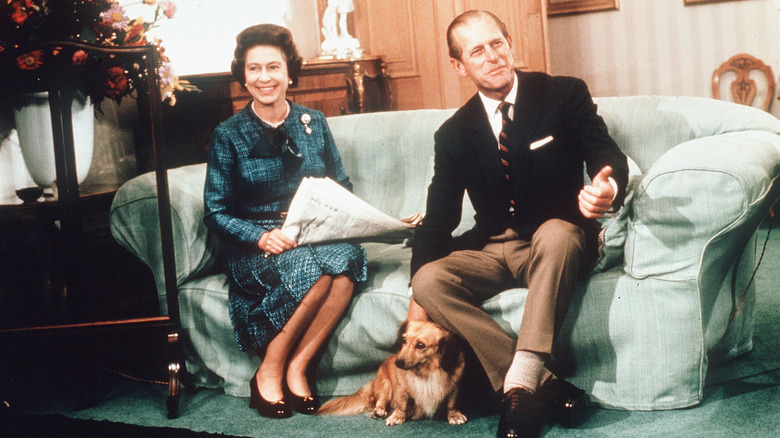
(271, 371)
(318, 333)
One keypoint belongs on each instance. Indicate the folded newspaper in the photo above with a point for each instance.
(324, 211)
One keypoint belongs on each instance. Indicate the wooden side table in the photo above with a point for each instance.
(56, 71)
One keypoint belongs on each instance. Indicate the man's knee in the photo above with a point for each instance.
(432, 281)
(424, 283)
(559, 236)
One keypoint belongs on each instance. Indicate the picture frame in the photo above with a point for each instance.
(565, 7)
(696, 2)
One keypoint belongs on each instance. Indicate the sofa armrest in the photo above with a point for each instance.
(135, 225)
(704, 195)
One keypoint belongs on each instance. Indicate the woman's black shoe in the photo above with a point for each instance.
(304, 405)
(277, 409)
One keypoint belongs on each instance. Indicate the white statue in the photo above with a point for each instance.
(338, 42)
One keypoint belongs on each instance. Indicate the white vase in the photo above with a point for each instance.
(33, 124)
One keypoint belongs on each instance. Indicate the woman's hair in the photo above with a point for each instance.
(266, 35)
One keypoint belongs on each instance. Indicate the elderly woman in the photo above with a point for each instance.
(285, 300)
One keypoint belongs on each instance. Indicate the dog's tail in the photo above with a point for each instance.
(354, 404)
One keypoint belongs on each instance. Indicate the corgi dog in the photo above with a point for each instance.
(419, 381)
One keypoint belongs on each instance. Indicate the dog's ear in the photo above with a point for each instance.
(399, 337)
(449, 352)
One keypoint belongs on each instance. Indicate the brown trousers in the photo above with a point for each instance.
(452, 288)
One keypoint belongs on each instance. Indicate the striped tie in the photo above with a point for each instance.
(503, 144)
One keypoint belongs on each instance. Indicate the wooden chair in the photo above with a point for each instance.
(744, 88)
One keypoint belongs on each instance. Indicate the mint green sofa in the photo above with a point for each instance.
(669, 297)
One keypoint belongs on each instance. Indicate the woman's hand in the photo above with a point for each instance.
(275, 242)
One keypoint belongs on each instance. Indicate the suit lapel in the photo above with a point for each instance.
(528, 107)
(479, 138)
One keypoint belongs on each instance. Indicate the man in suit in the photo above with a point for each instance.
(517, 148)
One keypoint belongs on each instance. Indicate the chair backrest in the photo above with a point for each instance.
(744, 88)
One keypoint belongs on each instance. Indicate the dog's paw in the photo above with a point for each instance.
(456, 417)
(395, 419)
(378, 413)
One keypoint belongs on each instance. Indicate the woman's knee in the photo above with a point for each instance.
(343, 283)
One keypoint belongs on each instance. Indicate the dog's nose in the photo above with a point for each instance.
(400, 363)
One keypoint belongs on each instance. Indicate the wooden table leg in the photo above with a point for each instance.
(174, 368)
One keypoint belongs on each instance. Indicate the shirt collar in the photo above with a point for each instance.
(491, 105)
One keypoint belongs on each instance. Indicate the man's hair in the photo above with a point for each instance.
(455, 50)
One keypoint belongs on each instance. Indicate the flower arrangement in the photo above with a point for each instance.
(106, 22)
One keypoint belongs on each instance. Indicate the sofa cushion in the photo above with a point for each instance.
(467, 217)
(615, 227)
(386, 155)
(364, 337)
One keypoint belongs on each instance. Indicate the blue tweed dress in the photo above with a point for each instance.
(248, 180)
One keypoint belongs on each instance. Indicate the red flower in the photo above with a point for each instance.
(80, 57)
(135, 33)
(30, 61)
(22, 10)
(116, 83)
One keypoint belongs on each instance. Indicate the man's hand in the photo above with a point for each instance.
(275, 242)
(596, 198)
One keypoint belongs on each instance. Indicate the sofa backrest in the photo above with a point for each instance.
(388, 155)
(645, 127)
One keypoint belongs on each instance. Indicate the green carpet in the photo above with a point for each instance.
(742, 399)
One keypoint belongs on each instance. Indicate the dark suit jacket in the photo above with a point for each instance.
(546, 181)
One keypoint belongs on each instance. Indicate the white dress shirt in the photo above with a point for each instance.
(494, 114)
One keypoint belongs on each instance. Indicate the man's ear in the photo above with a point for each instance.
(459, 67)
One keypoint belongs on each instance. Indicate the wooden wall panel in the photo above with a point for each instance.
(410, 35)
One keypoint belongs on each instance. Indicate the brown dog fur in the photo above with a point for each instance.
(419, 381)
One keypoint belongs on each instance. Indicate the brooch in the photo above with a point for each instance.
(306, 119)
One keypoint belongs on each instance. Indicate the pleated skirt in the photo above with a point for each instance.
(265, 291)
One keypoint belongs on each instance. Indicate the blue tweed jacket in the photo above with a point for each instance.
(239, 183)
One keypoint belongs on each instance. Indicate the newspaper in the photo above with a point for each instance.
(324, 211)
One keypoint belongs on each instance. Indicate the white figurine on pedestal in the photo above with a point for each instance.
(338, 42)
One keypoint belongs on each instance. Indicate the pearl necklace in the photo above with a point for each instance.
(277, 124)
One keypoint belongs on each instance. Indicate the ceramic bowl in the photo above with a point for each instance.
(29, 194)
